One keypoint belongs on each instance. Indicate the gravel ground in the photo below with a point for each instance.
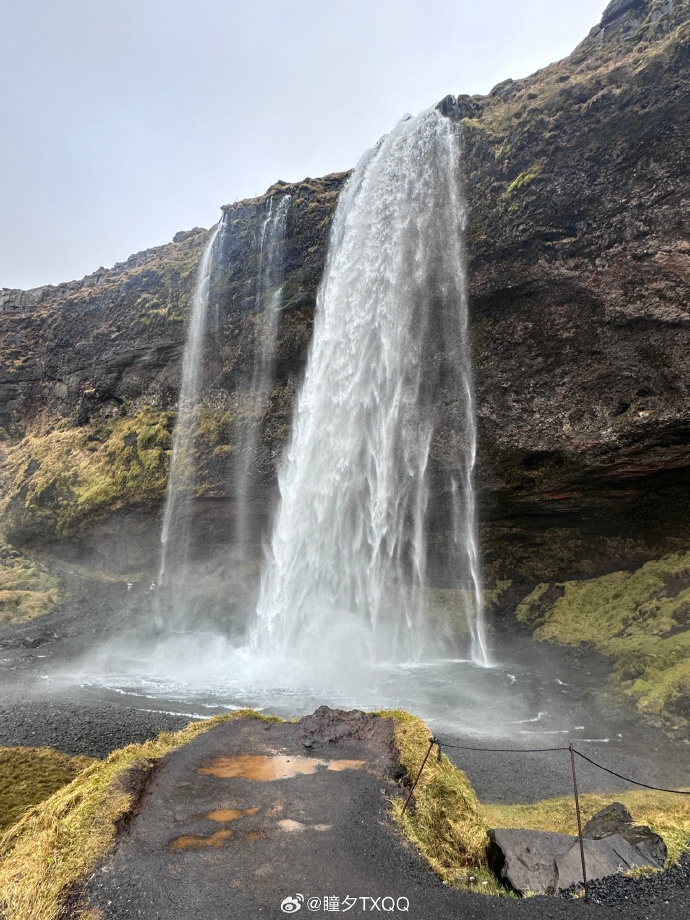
(95, 730)
(658, 892)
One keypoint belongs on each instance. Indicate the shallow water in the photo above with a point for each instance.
(532, 695)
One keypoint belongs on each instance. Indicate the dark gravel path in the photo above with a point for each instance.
(163, 866)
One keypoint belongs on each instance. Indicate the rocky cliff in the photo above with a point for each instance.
(578, 189)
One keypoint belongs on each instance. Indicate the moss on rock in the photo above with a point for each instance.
(27, 589)
(58, 476)
(640, 620)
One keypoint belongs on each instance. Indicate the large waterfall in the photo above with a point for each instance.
(173, 574)
(346, 573)
(268, 302)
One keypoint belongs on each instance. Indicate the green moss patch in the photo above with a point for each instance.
(27, 589)
(640, 619)
(59, 475)
(445, 824)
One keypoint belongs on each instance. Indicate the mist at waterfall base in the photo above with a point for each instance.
(345, 613)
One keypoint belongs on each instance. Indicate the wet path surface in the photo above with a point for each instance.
(252, 813)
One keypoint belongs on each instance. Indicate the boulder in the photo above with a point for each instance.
(616, 819)
(603, 857)
(609, 820)
(541, 862)
(526, 860)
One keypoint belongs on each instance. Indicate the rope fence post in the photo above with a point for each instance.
(579, 821)
(432, 742)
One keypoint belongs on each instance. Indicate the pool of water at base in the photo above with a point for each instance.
(530, 696)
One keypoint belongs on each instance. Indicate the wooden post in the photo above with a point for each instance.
(414, 785)
(579, 821)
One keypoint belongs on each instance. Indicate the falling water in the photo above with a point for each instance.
(346, 569)
(175, 533)
(268, 303)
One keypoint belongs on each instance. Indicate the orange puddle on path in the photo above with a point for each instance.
(230, 814)
(263, 768)
(197, 841)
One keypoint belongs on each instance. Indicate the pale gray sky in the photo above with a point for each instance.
(124, 121)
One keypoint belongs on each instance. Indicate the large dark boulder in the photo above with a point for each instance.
(526, 860)
(542, 862)
(607, 856)
(616, 819)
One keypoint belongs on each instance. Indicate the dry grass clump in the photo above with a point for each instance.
(446, 824)
(57, 842)
(30, 775)
(668, 815)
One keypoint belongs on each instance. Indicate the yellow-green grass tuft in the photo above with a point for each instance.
(446, 824)
(666, 814)
(27, 589)
(57, 842)
(30, 775)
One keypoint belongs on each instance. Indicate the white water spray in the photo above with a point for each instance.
(268, 303)
(176, 530)
(345, 574)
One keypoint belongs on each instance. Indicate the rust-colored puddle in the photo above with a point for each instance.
(264, 768)
(253, 836)
(197, 841)
(230, 814)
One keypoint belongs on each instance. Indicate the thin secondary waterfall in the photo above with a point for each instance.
(268, 303)
(176, 530)
(345, 573)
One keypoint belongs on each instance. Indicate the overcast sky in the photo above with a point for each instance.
(124, 121)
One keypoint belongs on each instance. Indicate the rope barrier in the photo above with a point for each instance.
(462, 747)
(572, 751)
(627, 778)
(432, 742)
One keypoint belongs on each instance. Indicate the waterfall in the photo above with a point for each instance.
(345, 574)
(268, 302)
(176, 530)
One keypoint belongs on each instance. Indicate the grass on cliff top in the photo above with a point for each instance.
(57, 842)
(26, 589)
(667, 815)
(640, 619)
(590, 79)
(31, 775)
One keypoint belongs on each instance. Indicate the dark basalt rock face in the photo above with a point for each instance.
(578, 190)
